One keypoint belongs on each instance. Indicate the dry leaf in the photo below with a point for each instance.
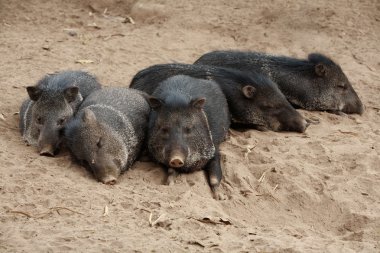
(196, 243)
(225, 221)
(94, 25)
(215, 221)
(128, 19)
(2, 117)
(84, 61)
(71, 32)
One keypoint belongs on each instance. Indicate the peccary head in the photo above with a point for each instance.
(265, 106)
(336, 92)
(179, 135)
(50, 112)
(97, 145)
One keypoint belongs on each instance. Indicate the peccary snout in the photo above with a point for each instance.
(297, 125)
(353, 105)
(111, 180)
(105, 169)
(47, 150)
(177, 160)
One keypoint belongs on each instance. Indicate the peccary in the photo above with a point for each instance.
(189, 120)
(108, 131)
(313, 84)
(52, 102)
(252, 99)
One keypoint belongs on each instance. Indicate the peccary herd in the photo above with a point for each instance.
(179, 113)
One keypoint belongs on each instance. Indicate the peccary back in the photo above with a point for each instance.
(52, 102)
(253, 99)
(108, 131)
(313, 84)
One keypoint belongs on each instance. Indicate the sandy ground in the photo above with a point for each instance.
(287, 192)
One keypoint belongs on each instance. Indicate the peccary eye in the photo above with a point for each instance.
(165, 130)
(267, 106)
(61, 121)
(187, 130)
(39, 120)
(342, 85)
(99, 143)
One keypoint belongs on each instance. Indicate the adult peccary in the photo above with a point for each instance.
(108, 131)
(52, 102)
(252, 99)
(313, 84)
(189, 120)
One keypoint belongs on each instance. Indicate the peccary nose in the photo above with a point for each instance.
(360, 109)
(176, 161)
(47, 150)
(111, 180)
(355, 106)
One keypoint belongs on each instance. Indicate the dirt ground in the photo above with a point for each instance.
(286, 192)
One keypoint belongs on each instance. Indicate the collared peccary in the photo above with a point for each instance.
(189, 120)
(108, 131)
(52, 102)
(313, 84)
(252, 99)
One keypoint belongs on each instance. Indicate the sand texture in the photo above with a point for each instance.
(284, 192)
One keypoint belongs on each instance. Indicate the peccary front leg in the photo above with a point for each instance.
(172, 175)
(214, 174)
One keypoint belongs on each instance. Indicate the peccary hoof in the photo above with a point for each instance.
(216, 194)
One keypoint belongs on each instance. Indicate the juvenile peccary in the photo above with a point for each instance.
(52, 102)
(313, 84)
(252, 99)
(189, 120)
(108, 131)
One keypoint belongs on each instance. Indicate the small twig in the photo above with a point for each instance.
(156, 221)
(143, 209)
(348, 132)
(150, 219)
(41, 215)
(65, 208)
(196, 243)
(261, 179)
(106, 211)
(152, 224)
(248, 151)
(268, 194)
(21, 212)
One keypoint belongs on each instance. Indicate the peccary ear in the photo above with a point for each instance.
(71, 93)
(198, 102)
(248, 91)
(320, 69)
(88, 116)
(154, 102)
(34, 92)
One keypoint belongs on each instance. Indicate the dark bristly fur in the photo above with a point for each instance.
(265, 108)
(182, 122)
(313, 84)
(108, 131)
(52, 102)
